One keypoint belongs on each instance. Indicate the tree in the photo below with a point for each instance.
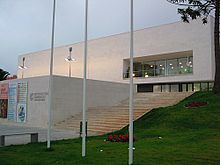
(203, 8)
(3, 74)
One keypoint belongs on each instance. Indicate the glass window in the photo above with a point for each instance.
(137, 69)
(184, 89)
(160, 68)
(126, 68)
(182, 65)
(165, 67)
(157, 88)
(172, 67)
(204, 86)
(196, 86)
(190, 64)
(166, 88)
(174, 88)
(148, 69)
(211, 85)
(190, 87)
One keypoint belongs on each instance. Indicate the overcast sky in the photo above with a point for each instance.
(25, 25)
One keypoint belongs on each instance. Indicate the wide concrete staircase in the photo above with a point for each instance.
(105, 119)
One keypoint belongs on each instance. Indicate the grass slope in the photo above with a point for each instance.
(188, 136)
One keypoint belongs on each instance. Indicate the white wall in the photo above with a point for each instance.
(67, 95)
(105, 55)
(67, 98)
(37, 113)
(38, 110)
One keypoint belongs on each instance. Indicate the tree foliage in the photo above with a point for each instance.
(192, 9)
(3, 74)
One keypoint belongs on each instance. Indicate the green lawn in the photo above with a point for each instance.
(189, 136)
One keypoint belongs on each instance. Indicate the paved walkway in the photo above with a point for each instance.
(56, 134)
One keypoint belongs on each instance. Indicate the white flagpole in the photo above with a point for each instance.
(131, 87)
(84, 84)
(51, 77)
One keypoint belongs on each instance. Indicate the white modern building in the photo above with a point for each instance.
(168, 58)
(172, 57)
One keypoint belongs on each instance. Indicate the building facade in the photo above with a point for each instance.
(172, 57)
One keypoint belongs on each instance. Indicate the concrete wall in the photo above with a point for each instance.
(37, 113)
(106, 55)
(67, 95)
(66, 98)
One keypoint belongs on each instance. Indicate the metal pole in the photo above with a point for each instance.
(131, 88)
(51, 78)
(23, 67)
(69, 68)
(69, 59)
(84, 84)
(70, 71)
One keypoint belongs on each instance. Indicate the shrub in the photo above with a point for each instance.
(118, 138)
(194, 104)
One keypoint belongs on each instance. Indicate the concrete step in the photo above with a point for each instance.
(106, 119)
(116, 108)
(115, 114)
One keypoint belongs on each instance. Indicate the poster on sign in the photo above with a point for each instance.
(21, 113)
(22, 92)
(22, 101)
(12, 101)
(3, 100)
